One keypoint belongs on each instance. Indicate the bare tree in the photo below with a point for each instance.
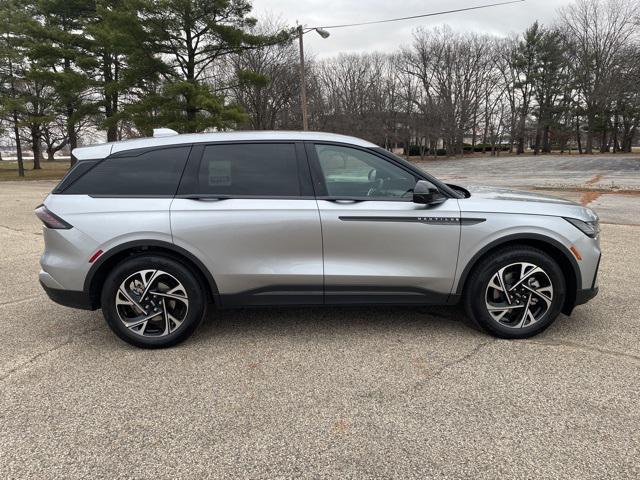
(268, 78)
(453, 69)
(504, 49)
(355, 88)
(54, 137)
(626, 114)
(597, 33)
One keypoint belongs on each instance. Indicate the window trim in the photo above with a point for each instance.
(189, 182)
(320, 184)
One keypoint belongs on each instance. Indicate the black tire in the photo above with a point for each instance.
(195, 310)
(477, 284)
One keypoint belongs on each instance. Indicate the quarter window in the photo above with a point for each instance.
(252, 169)
(154, 173)
(349, 172)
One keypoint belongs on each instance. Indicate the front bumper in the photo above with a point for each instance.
(70, 298)
(583, 296)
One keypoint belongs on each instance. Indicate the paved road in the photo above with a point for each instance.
(555, 171)
(323, 393)
(608, 183)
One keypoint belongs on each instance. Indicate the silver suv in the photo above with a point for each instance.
(154, 230)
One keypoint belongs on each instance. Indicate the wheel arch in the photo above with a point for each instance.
(550, 246)
(104, 264)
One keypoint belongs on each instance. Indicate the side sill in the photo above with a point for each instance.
(334, 296)
(390, 299)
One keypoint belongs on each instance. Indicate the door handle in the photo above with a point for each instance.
(203, 198)
(344, 201)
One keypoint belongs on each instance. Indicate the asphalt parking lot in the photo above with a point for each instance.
(323, 393)
(609, 184)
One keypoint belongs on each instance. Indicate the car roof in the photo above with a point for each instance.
(105, 149)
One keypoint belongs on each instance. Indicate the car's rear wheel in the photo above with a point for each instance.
(516, 292)
(152, 301)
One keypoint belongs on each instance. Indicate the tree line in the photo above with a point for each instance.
(71, 67)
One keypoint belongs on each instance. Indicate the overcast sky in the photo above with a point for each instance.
(500, 20)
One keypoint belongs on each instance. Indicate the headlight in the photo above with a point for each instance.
(590, 229)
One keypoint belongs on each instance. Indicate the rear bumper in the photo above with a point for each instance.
(70, 298)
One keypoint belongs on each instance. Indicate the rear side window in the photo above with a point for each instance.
(151, 173)
(267, 169)
(79, 169)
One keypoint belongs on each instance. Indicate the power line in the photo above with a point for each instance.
(417, 16)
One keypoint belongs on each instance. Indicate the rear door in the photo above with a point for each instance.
(112, 201)
(248, 212)
(379, 246)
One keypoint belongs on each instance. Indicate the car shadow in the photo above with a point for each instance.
(322, 320)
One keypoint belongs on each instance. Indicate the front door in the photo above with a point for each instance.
(247, 211)
(379, 246)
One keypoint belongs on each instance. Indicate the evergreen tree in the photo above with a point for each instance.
(125, 63)
(549, 82)
(525, 62)
(61, 44)
(194, 36)
(12, 68)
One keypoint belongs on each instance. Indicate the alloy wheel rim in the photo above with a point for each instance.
(152, 303)
(519, 295)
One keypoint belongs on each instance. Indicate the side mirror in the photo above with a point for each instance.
(426, 193)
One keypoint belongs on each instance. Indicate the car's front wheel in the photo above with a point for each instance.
(515, 293)
(152, 301)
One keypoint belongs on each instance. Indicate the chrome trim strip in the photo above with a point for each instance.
(431, 220)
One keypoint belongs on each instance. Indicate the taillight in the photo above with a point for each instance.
(49, 219)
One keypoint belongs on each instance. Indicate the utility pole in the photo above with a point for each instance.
(303, 82)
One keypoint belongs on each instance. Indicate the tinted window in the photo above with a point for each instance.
(152, 173)
(268, 169)
(350, 172)
(79, 169)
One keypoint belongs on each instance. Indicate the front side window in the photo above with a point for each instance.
(252, 169)
(153, 173)
(349, 172)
